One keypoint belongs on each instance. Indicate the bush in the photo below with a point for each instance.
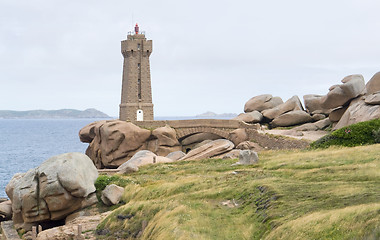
(353, 135)
(103, 180)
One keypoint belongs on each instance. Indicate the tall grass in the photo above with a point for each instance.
(320, 194)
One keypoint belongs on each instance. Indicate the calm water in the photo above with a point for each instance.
(25, 144)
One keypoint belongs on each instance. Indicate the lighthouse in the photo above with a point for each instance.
(136, 94)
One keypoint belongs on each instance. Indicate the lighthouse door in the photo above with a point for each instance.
(140, 115)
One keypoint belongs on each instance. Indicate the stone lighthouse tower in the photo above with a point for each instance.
(136, 94)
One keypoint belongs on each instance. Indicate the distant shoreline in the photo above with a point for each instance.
(53, 114)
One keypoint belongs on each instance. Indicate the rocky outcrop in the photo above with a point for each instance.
(114, 142)
(237, 136)
(59, 186)
(262, 102)
(250, 117)
(313, 104)
(339, 95)
(141, 158)
(199, 137)
(373, 85)
(176, 155)
(373, 98)
(358, 111)
(319, 125)
(291, 118)
(209, 150)
(337, 113)
(5, 210)
(112, 194)
(292, 104)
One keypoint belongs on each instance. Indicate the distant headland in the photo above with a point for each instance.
(52, 114)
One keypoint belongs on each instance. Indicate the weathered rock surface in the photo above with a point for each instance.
(237, 136)
(337, 113)
(373, 85)
(114, 142)
(209, 150)
(112, 194)
(165, 141)
(247, 157)
(70, 229)
(176, 155)
(5, 210)
(248, 145)
(319, 125)
(291, 118)
(250, 117)
(339, 95)
(262, 102)
(317, 117)
(313, 104)
(59, 186)
(373, 98)
(141, 158)
(358, 111)
(199, 137)
(291, 104)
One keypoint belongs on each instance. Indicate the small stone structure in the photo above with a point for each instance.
(136, 95)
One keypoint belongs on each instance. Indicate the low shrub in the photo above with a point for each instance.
(362, 133)
(103, 180)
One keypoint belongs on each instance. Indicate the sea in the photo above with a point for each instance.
(26, 143)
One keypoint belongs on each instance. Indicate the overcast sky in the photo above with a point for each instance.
(207, 55)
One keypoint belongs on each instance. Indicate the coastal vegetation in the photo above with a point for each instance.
(361, 133)
(291, 194)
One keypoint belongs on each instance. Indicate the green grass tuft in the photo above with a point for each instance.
(362, 133)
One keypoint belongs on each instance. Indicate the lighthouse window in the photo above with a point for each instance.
(138, 46)
(138, 65)
(139, 89)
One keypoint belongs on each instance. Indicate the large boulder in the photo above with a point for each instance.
(237, 136)
(59, 186)
(199, 137)
(358, 111)
(176, 155)
(319, 125)
(262, 102)
(164, 141)
(141, 158)
(373, 98)
(250, 117)
(291, 118)
(5, 210)
(114, 143)
(247, 157)
(373, 85)
(112, 194)
(313, 104)
(339, 95)
(291, 104)
(337, 113)
(209, 150)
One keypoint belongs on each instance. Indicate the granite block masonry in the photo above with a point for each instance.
(136, 94)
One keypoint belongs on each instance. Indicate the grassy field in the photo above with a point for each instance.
(311, 194)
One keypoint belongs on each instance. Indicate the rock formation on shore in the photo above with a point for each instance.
(347, 103)
(60, 186)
